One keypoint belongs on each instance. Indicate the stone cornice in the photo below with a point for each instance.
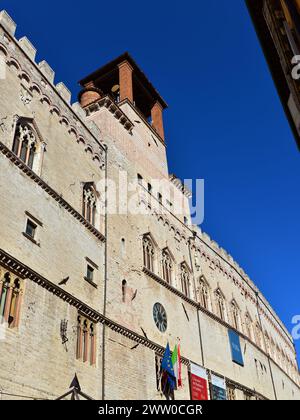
(25, 272)
(126, 101)
(212, 316)
(242, 284)
(113, 108)
(180, 186)
(57, 197)
(169, 287)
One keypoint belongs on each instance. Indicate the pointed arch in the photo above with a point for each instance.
(28, 144)
(248, 326)
(185, 275)
(258, 335)
(167, 265)
(220, 302)
(149, 252)
(268, 343)
(235, 314)
(203, 293)
(89, 202)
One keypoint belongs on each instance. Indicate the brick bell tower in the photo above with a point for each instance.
(123, 80)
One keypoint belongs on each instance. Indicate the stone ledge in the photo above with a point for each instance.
(63, 203)
(107, 102)
(25, 272)
(214, 317)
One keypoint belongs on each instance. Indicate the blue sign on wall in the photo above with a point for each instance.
(236, 350)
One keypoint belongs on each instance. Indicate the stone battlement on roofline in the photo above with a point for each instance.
(48, 73)
(64, 94)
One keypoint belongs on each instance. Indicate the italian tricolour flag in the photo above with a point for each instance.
(176, 362)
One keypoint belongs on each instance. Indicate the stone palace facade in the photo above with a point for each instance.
(96, 292)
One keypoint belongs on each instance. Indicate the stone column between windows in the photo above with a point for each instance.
(19, 148)
(157, 119)
(79, 342)
(86, 345)
(125, 81)
(94, 349)
(18, 309)
(8, 303)
(1, 287)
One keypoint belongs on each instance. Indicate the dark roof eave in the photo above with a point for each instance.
(271, 55)
(112, 64)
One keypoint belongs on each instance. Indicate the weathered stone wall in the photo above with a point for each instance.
(204, 258)
(34, 362)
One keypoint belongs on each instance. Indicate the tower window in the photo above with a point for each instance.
(124, 289)
(123, 247)
(90, 273)
(140, 179)
(149, 188)
(170, 205)
(30, 228)
(159, 198)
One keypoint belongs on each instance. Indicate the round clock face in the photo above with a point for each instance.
(160, 317)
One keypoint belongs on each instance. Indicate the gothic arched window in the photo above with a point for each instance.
(5, 284)
(268, 343)
(185, 280)
(14, 306)
(89, 204)
(10, 300)
(203, 293)
(235, 313)
(167, 266)
(220, 304)
(25, 143)
(258, 335)
(272, 348)
(148, 249)
(248, 325)
(86, 341)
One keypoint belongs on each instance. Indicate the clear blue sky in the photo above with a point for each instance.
(225, 122)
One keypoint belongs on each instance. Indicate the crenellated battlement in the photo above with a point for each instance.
(246, 285)
(56, 200)
(41, 79)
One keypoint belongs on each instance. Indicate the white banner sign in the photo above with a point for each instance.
(198, 371)
(219, 382)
